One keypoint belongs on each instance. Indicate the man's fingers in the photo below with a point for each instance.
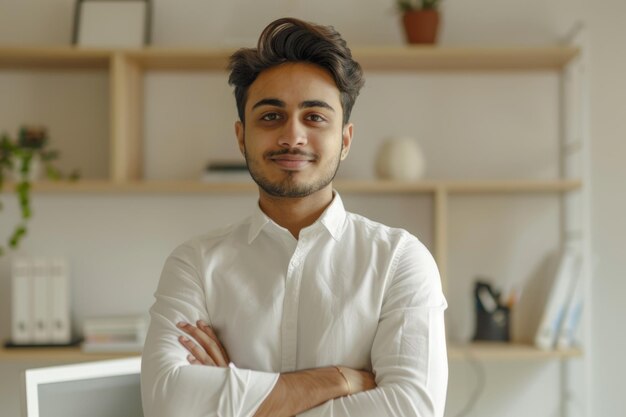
(208, 346)
(211, 333)
(197, 352)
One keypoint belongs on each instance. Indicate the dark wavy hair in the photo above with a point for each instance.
(294, 40)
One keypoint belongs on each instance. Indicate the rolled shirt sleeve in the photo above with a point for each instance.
(409, 355)
(170, 386)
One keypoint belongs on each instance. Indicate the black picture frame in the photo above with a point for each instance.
(79, 8)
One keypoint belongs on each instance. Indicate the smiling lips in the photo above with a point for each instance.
(291, 161)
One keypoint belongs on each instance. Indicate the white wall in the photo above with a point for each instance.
(608, 130)
(117, 244)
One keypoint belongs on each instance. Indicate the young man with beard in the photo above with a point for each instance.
(302, 308)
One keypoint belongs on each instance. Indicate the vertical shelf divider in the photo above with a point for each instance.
(126, 119)
(440, 233)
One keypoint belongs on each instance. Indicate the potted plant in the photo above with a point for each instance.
(421, 20)
(21, 160)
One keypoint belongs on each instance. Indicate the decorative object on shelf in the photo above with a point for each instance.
(401, 159)
(421, 19)
(493, 317)
(21, 159)
(112, 23)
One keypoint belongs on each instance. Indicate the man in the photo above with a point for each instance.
(302, 308)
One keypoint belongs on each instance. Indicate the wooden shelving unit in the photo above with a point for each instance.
(126, 69)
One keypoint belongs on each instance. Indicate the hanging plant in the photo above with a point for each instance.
(21, 160)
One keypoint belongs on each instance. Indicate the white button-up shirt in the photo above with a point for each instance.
(348, 292)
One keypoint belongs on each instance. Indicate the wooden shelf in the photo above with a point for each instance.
(499, 351)
(431, 58)
(421, 58)
(66, 58)
(181, 59)
(512, 186)
(347, 186)
(60, 354)
(396, 58)
(493, 351)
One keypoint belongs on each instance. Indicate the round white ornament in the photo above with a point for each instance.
(400, 159)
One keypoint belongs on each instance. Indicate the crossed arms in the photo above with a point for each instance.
(294, 392)
(408, 357)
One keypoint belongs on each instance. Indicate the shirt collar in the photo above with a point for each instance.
(333, 219)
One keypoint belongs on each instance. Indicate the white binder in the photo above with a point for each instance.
(558, 299)
(59, 306)
(572, 316)
(41, 303)
(21, 299)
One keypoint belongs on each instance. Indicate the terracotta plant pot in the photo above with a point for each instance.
(421, 26)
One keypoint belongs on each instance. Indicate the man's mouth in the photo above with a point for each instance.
(291, 161)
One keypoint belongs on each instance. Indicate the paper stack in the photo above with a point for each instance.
(115, 334)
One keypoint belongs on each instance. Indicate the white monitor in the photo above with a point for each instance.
(96, 389)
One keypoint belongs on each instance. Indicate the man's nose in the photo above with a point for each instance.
(293, 135)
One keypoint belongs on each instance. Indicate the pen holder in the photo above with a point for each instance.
(493, 325)
(492, 318)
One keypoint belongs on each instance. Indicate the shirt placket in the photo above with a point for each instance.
(291, 307)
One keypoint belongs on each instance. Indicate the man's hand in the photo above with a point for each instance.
(207, 349)
(294, 392)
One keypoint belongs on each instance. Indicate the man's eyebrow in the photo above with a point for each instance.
(269, 102)
(304, 105)
(315, 103)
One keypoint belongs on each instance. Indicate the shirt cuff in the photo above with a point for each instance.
(255, 384)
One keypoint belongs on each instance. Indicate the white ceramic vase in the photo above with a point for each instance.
(401, 159)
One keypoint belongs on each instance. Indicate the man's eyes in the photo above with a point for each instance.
(315, 118)
(271, 117)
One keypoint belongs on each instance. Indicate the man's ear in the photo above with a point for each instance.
(346, 138)
(240, 132)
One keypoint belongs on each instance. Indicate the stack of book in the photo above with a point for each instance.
(226, 171)
(114, 334)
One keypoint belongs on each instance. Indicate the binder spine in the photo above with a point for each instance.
(59, 305)
(41, 304)
(21, 296)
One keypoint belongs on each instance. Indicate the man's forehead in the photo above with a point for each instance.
(294, 84)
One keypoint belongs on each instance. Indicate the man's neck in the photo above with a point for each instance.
(294, 214)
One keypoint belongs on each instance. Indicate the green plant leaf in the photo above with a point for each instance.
(31, 143)
(52, 172)
(18, 234)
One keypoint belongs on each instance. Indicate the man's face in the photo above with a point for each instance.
(293, 139)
